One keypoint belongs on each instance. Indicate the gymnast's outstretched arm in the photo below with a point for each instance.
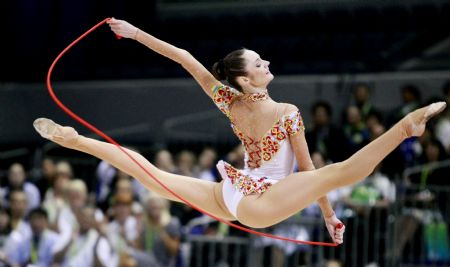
(181, 56)
(300, 147)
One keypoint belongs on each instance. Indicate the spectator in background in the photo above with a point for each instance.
(18, 225)
(376, 128)
(423, 202)
(5, 226)
(361, 96)
(110, 180)
(86, 246)
(333, 263)
(236, 156)
(411, 98)
(124, 186)
(281, 252)
(206, 165)
(443, 132)
(164, 161)
(18, 207)
(446, 92)
(139, 191)
(433, 153)
(324, 136)
(186, 161)
(412, 148)
(105, 174)
(376, 191)
(374, 119)
(443, 124)
(5, 231)
(334, 196)
(123, 229)
(380, 179)
(55, 198)
(393, 164)
(368, 203)
(160, 237)
(46, 176)
(37, 249)
(121, 185)
(206, 171)
(77, 198)
(17, 181)
(64, 167)
(355, 130)
(76, 193)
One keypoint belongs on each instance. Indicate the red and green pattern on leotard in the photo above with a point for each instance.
(265, 148)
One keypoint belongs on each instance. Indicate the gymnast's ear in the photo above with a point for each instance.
(243, 81)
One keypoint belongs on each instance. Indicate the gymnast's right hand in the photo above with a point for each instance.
(123, 28)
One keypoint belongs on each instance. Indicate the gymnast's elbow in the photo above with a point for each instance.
(184, 56)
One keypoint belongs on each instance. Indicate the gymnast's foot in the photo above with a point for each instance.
(414, 123)
(64, 136)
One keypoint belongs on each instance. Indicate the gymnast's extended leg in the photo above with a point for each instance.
(298, 190)
(204, 194)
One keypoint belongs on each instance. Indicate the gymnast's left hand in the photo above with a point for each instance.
(337, 234)
(123, 28)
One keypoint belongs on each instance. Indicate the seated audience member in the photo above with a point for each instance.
(17, 180)
(37, 249)
(160, 239)
(86, 246)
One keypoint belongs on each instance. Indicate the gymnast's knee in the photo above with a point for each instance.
(349, 172)
(338, 174)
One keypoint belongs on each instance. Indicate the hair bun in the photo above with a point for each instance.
(218, 70)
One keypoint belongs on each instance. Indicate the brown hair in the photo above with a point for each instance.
(230, 67)
(123, 198)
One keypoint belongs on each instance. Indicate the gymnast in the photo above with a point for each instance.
(266, 191)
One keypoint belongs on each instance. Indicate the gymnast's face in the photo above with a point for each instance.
(258, 73)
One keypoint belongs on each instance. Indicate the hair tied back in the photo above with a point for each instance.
(219, 70)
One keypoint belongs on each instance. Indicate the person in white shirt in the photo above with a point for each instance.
(123, 230)
(77, 194)
(17, 181)
(55, 199)
(37, 249)
(86, 246)
(18, 207)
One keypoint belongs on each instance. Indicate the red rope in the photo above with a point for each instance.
(109, 139)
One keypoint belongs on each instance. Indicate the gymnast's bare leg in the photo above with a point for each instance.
(281, 201)
(204, 194)
(298, 190)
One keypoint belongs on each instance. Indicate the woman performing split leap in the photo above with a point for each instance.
(266, 191)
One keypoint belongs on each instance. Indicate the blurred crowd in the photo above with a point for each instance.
(54, 218)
